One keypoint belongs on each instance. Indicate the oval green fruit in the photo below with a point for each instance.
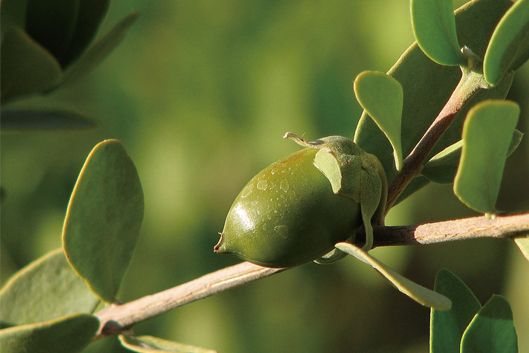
(288, 214)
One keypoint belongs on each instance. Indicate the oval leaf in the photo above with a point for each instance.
(26, 67)
(51, 23)
(70, 334)
(427, 87)
(26, 297)
(89, 17)
(147, 344)
(381, 96)
(100, 50)
(442, 167)
(104, 217)
(509, 46)
(28, 119)
(487, 135)
(416, 292)
(492, 329)
(447, 327)
(434, 27)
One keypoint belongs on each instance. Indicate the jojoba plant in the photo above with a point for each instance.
(438, 116)
(298, 208)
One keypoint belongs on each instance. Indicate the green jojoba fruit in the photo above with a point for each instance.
(298, 208)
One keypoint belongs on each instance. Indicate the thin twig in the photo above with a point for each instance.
(118, 318)
(469, 84)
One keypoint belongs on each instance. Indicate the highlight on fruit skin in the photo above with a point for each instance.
(298, 208)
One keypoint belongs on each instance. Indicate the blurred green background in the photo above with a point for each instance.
(201, 93)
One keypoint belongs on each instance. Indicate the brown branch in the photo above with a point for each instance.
(117, 318)
(460, 229)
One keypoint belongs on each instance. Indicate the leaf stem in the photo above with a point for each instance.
(117, 318)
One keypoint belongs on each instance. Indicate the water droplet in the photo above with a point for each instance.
(262, 185)
(247, 190)
(282, 230)
(284, 185)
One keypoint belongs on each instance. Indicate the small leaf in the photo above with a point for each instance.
(28, 119)
(27, 68)
(492, 329)
(427, 87)
(51, 23)
(442, 167)
(487, 134)
(523, 244)
(147, 344)
(447, 327)
(434, 27)
(99, 51)
(69, 334)
(416, 292)
(28, 296)
(509, 45)
(89, 17)
(381, 96)
(104, 218)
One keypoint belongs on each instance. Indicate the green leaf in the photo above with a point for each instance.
(69, 334)
(51, 23)
(492, 329)
(99, 51)
(28, 119)
(509, 45)
(487, 134)
(416, 292)
(147, 344)
(27, 68)
(104, 217)
(442, 167)
(89, 17)
(434, 27)
(447, 327)
(46, 289)
(427, 87)
(523, 244)
(381, 96)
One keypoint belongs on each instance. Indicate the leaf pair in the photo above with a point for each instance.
(434, 27)
(468, 327)
(47, 308)
(426, 88)
(41, 39)
(488, 130)
(101, 229)
(48, 304)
